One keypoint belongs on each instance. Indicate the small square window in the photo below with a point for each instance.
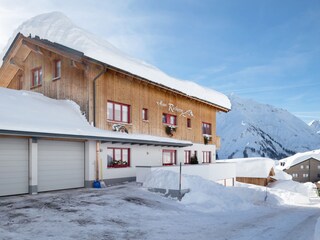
(302, 167)
(145, 114)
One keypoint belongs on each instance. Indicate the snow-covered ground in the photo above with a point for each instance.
(209, 211)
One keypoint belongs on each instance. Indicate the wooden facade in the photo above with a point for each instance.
(306, 171)
(257, 181)
(92, 84)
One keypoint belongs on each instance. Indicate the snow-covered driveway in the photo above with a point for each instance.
(130, 212)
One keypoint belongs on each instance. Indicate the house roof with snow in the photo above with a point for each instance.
(25, 113)
(298, 158)
(252, 167)
(64, 36)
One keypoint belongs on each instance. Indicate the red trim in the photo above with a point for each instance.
(167, 116)
(187, 156)
(205, 156)
(121, 153)
(145, 114)
(206, 128)
(121, 112)
(173, 157)
(188, 122)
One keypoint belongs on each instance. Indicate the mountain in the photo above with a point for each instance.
(315, 125)
(56, 27)
(252, 129)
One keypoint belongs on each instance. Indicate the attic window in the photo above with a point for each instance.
(36, 79)
(57, 69)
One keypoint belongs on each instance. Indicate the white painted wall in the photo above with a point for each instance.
(90, 160)
(147, 156)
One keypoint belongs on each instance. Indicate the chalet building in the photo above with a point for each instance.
(157, 123)
(255, 170)
(303, 167)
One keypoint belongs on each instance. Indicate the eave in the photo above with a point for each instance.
(103, 139)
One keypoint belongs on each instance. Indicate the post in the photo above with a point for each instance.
(180, 195)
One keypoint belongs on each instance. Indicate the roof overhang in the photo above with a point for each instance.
(103, 139)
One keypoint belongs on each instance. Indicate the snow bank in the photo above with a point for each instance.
(292, 192)
(56, 27)
(281, 175)
(208, 196)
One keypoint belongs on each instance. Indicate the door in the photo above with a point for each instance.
(13, 166)
(60, 165)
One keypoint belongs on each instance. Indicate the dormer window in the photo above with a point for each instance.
(36, 77)
(57, 69)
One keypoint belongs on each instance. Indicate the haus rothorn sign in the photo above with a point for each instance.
(174, 109)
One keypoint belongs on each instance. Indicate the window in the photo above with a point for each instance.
(169, 119)
(36, 77)
(168, 157)
(307, 166)
(295, 175)
(187, 157)
(118, 112)
(206, 157)
(118, 157)
(301, 167)
(305, 175)
(57, 69)
(318, 166)
(282, 163)
(188, 123)
(206, 128)
(145, 114)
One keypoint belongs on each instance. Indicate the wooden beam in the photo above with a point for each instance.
(32, 47)
(79, 65)
(17, 63)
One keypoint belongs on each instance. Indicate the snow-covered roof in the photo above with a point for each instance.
(30, 112)
(56, 27)
(298, 158)
(252, 167)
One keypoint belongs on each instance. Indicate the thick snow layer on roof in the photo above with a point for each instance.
(298, 158)
(56, 27)
(252, 167)
(33, 112)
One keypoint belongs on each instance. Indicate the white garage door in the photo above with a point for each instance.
(60, 165)
(13, 166)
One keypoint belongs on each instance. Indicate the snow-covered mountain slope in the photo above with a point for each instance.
(56, 27)
(252, 129)
(315, 125)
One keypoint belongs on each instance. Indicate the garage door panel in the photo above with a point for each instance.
(13, 166)
(61, 165)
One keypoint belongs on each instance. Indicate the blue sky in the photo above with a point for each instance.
(265, 50)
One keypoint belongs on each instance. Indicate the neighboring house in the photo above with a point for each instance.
(303, 167)
(258, 171)
(172, 124)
